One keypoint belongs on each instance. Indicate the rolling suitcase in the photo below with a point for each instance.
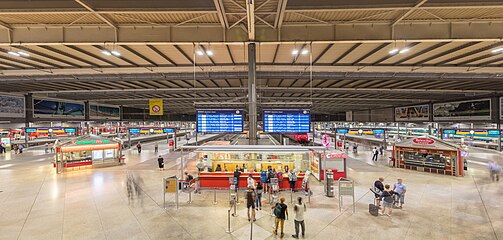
(373, 208)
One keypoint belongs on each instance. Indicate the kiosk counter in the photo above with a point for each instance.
(221, 180)
(87, 151)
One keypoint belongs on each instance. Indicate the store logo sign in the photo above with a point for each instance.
(423, 141)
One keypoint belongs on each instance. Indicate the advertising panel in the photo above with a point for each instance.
(463, 110)
(43, 108)
(412, 113)
(12, 106)
(104, 112)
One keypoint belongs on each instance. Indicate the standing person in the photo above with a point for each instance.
(156, 147)
(251, 198)
(299, 209)
(355, 147)
(400, 188)
(281, 214)
(21, 148)
(46, 146)
(1, 147)
(259, 190)
(250, 182)
(387, 196)
(287, 169)
(378, 189)
(374, 154)
(160, 161)
(381, 150)
(305, 182)
(138, 146)
(4, 148)
(237, 174)
(292, 179)
(494, 170)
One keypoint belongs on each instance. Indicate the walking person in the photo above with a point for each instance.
(381, 150)
(400, 188)
(494, 170)
(259, 190)
(138, 146)
(156, 147)
(387, 198)
(251, 198)
(237, 174)
(292, 179)
(160, 162)
(281, 214)
(46, 146)
(374, 154)
(299, 210)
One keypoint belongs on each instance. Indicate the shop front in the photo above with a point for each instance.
(429, 154)
(216, 164)
(87, 151)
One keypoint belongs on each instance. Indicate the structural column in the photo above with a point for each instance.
(252, 94)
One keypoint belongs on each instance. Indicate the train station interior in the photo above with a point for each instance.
(206, 119)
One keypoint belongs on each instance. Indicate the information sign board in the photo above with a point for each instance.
(219, 121)
(287, 121)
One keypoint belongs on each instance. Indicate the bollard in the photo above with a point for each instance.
(235, 214)
(309, 196)
(214, 196)
(291, 196)
(237, 196)
(251, 230)
(228, 221)
(190, 197)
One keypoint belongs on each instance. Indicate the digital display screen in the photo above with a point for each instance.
(287, 121)
(134, 130)
(169, 130)
(342, 131)
(222, 121)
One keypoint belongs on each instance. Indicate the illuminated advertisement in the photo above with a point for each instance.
(463, 110)
(57, 109)
(104, 112)
(12, 106)
(412, 113)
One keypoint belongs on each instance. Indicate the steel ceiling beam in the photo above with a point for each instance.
(280, 13)
(162, 54)
(97, 14)
(71, 56)
(221, 13)
(92, 55)
(250, 19)
(346, 53)
(410, 11)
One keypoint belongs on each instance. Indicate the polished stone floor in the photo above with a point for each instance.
(36, 203)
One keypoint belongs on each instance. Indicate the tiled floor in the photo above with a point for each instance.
(93, 204)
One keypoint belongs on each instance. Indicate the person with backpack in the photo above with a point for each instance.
(299, 210)
(281, 214)
(378, 189)
(251, 198)
(237, 174)
(387, 197)
(160, 162)
(138, 146)
(375, 152)
(292, 179)
(259, 190)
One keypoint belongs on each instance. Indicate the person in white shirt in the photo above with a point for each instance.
(299, 209)
(251, 182)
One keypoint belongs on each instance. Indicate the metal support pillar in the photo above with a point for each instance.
(252, 94)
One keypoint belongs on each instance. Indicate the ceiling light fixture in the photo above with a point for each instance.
(404, 50)
(106, 52)
(497, 50)
(115, 53)
(14, 53)
(209, 52)
(23, 54)
(394, 51)
(295, 52)
(304, 52)
(199, 52)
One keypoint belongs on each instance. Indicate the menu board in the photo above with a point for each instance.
(287, 121)
(219, 121)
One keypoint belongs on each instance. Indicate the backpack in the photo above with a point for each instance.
(270, 175)
(293, 177)
(263, 176)
(387, 197)
(277, 210)
(280, 176)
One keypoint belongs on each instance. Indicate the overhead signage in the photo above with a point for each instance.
(480, 132)
(53, 130)
(104, 112)
(342, 131)
(5, 141)
(412, 113)
(287, 121)
(501, 107)
(219, 121)
(151, 130)
(463, 110)
(156, 107)
(423, 141)
(43, 108)
(12, 106)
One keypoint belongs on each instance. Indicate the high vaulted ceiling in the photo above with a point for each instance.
(347, 63)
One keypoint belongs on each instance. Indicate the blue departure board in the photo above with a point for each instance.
(287, 121)
(219, 121)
